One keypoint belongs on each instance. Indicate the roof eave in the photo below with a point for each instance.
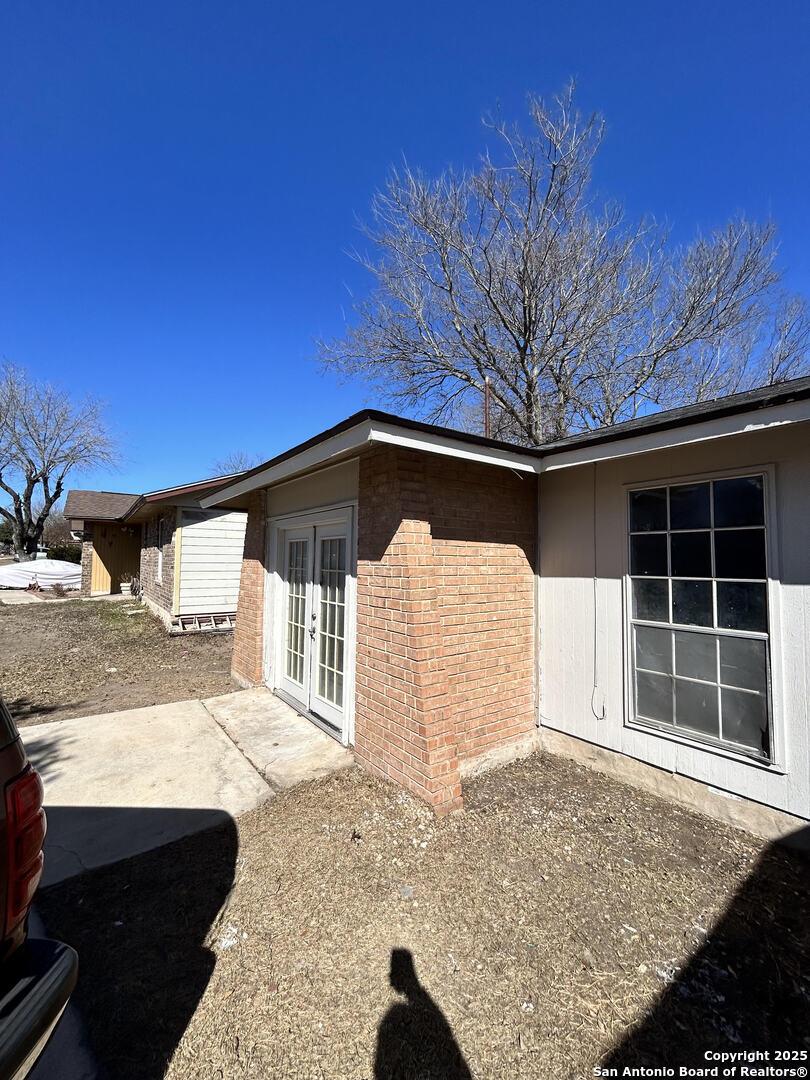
(755, 410)
(715, 426)
(340, 443)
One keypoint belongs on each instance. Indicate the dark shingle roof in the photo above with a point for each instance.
(98, 505)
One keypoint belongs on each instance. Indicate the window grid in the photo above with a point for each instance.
(332, 620)
(714, 631)
(297, 557)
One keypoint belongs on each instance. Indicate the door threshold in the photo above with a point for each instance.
(313, 718)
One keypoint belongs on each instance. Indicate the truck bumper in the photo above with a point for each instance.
(35, 985)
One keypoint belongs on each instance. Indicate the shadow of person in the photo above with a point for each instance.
(747, 987)
(414, 1040)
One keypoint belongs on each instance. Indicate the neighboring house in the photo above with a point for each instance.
(186, 559)
(641, 594)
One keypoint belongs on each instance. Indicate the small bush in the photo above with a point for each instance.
(66, 552)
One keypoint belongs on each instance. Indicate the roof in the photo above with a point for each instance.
(119, 506)
(760, 398)
(98, 505)
(147, 503)
(372, 425)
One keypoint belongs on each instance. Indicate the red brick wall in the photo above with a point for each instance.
(484, 526)
(445, 617)
(246, 666)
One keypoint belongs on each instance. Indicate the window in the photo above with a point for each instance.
(159, 564)
(699, 611)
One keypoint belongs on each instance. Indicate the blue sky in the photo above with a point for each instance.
(179, 182)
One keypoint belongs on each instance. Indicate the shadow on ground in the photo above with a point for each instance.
(140, 928)
(26, 710)
(748, 987)
(414, 1040)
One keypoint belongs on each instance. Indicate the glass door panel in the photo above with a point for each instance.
(296, 610)
(331, 567)
(314, 565)
(297, 614)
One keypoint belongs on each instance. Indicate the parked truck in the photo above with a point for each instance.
(37, 975)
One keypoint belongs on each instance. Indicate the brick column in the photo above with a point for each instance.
(404, 729)
(87, 559)
(248, 636)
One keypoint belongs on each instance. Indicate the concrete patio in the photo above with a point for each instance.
(122, 783)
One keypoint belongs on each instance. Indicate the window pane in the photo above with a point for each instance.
(654, 697)
(692, 602)
(739, 502)
(696, 655)
(648, 510)
(648, 555)
(651, 599)
(653, 648)
(696, 707)
(742, 606)
(740, 553)
(744, 663)
(689, 507)
(691, 554)
(745, 719)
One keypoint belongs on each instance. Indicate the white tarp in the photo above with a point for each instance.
(46, 572)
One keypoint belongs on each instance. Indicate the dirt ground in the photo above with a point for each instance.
(561, 920)
(80, 658)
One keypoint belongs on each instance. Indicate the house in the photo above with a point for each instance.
(637, 597)
(187, 560)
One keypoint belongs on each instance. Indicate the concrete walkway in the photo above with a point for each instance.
(283, 746)
(15, 597)
(122, 783)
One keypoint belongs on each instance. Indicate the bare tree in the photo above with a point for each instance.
(44, 436)
(235, 462)
(578, 317)
(57, 528)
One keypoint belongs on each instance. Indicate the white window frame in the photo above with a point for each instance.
(777, 762)
(160, 539)
(273, 661)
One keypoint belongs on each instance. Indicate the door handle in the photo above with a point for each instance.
(312, 627)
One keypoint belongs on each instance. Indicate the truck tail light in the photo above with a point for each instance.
(25, 822)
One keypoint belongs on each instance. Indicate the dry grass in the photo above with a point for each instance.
(556, 912)
(79, 658)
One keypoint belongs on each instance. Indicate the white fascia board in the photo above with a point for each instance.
(318, 454)
(382, 432)
(373, 431)
(791, 412)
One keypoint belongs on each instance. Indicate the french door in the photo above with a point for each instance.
(314, 565)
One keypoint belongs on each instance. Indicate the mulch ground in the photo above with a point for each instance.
(561, 920)
(80, 658)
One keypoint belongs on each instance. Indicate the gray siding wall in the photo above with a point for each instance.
(583, 536)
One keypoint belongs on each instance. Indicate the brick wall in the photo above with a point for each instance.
(159, 592)
(246, 666)
(445, 617)
(87, 558)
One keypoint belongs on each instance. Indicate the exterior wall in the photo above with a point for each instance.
(158, 593)
(583, 543)
(323, 488)
(327, 487)
(248, 637)
(87, 558)
(445, 617)
(208, 560)
(108, 551)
